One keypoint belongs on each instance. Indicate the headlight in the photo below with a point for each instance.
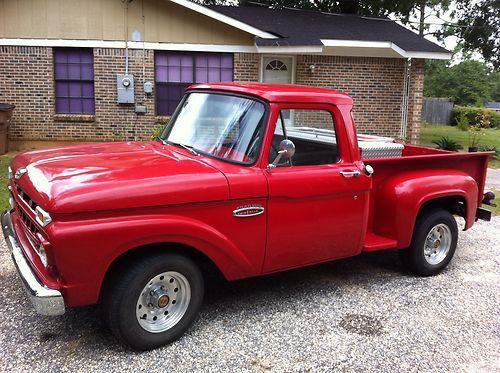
(43, 255)
(11, 201)
(42, 216)
(10, 173)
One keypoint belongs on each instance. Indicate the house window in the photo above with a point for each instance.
(74, 80)
(175, 71)
(276, 65)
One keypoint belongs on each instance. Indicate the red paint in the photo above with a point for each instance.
(106, 199)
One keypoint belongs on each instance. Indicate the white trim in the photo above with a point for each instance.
(261, 65)
(385, 45)
(430, 55)
(224, 19)
(131, 45)
(277, 49)
(222, 48)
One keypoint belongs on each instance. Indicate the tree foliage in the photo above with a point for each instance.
(478, 28)
(467, 83)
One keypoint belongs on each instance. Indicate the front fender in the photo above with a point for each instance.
(86, 265)
(399, 198)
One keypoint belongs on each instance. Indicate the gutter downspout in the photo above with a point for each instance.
(406, 100)
(126, 35)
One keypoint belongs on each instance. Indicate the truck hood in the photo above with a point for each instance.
(107, 176)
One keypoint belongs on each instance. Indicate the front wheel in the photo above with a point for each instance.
(433, 243)
(154, 301)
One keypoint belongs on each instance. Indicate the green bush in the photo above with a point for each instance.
(157, 130)
(462, 121)
(475, 116)
(495, 120)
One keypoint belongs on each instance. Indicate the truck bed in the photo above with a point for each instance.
(415, 159)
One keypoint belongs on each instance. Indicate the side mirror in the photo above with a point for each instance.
(286, 149)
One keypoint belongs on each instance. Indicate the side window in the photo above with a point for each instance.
(313, 133)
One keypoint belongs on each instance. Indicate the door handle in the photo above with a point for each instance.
(350, 173)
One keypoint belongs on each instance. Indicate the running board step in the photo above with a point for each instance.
(374, 242)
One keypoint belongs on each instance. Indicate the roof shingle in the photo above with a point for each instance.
(302, 27)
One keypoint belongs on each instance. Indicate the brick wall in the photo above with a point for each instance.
(375, 84)
(27, 81)
(246, 67)
(416, 100)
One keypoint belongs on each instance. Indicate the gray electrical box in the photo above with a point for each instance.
(148, 87)
(125, 88)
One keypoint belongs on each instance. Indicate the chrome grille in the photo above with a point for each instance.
(26, 198)
(30, 226)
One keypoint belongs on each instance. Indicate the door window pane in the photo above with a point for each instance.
(313, 133)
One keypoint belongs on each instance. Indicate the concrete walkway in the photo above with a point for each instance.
(493, 179)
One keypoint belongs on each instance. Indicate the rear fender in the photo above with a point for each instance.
(399, 199)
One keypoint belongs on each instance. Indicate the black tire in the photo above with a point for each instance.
(415, 258)
(124, 290)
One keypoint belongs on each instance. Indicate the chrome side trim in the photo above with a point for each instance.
(46, 301)
(248, 211)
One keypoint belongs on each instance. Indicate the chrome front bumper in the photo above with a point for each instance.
(46, 301)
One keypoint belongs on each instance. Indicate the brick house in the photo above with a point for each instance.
(63, 63)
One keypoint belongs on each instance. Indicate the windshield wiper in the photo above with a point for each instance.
(184, 146)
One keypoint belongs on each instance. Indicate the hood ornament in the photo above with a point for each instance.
(20, 172)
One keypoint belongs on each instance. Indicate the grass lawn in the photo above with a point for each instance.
(4, 194)
(431, 132)
(494, 209)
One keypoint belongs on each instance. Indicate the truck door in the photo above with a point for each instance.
(318, 199)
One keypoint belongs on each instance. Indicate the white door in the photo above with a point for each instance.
(277, 69)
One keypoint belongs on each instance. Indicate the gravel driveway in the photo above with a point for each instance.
(364, 313)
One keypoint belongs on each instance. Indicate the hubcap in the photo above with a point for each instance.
(163, 301)
(437, 244)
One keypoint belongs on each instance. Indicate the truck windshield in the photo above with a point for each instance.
(218, 125)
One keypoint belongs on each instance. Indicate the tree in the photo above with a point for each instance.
(468, 83)
(478, 29)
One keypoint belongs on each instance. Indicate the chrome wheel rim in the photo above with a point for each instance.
(163, 302)
(437, 244)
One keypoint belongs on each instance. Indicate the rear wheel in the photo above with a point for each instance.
(154, 301)
(433, 243)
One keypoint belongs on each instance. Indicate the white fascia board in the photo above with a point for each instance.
(355, 43)
(225, 19)
(276, 49)
(385, 45)
(429, 55)
(131, 45)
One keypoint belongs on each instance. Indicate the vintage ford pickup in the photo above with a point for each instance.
(247, 179)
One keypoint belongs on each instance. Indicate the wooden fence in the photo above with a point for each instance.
(437, 110)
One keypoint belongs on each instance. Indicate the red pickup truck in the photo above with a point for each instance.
(248, 179)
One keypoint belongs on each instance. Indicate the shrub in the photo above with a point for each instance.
(157, 130)
(444, 142)
(462, 122)
(475, 115)
(495, 120)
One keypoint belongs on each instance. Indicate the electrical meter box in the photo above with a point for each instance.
(125, 88)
